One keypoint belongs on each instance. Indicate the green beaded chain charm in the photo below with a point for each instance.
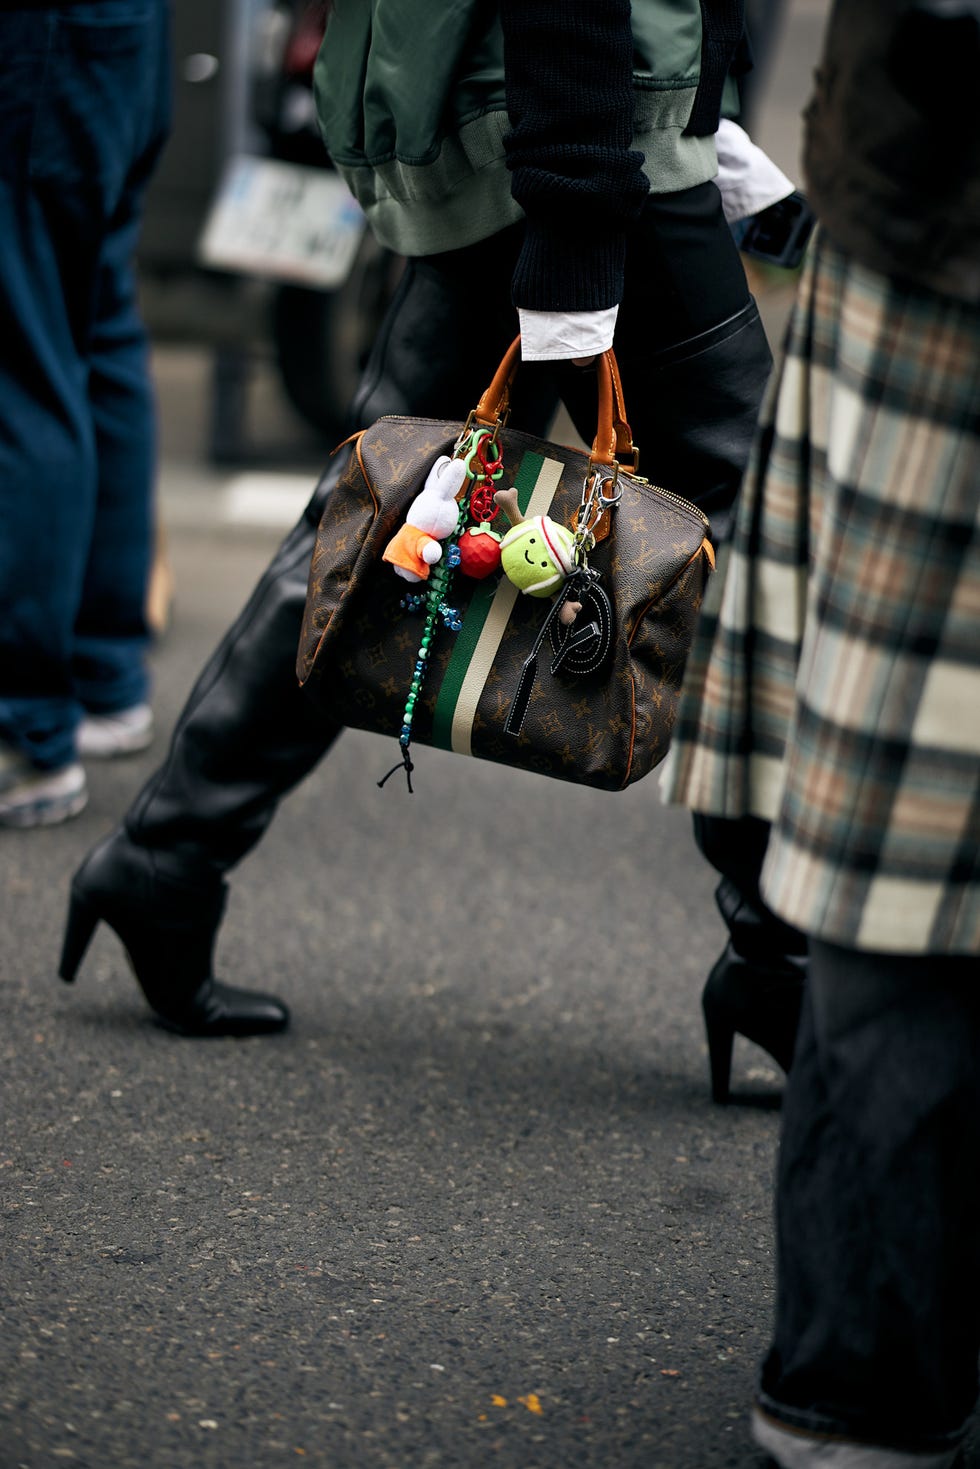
(484, 466)
(436, 607)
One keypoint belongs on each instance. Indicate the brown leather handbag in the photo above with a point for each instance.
(581, 682)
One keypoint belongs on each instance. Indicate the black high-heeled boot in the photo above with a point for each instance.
(246, 736)
(756, 987)
(760, 1001)
(167, 928)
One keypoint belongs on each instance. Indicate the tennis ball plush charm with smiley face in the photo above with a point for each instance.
(537, 555)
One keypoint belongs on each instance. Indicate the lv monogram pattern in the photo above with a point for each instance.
(358, 645)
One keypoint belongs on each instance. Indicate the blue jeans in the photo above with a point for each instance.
(877, 1203)
(84, 111)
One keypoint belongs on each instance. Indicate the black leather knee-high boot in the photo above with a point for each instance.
(692, 351)
(700, 403)
(692, 406)
(247, 734)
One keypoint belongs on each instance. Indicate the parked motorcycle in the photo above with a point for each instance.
(322, 331)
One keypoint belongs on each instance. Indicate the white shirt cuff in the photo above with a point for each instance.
(747, 179)
(555, 336)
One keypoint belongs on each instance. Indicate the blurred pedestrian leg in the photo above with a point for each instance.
(84, 112)
(161, 589)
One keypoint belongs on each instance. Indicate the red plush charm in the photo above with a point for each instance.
(479, 552)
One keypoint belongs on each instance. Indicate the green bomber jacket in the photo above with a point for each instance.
(413, 113)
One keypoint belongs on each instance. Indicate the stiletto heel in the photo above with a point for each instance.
(757, 1000)
(83, 918)
(167, 922)
(721, 1043)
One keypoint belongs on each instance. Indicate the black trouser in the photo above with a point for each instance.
(878, 1200)
(694, 362)
(877, 1327)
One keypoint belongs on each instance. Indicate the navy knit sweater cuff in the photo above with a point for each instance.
(570, 267)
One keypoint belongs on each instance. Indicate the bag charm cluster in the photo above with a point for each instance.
(448, 529)
(440, 512)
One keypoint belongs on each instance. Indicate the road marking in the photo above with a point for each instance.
(267, 499)
(191, 497)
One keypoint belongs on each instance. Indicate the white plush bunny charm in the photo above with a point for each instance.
(432, 516)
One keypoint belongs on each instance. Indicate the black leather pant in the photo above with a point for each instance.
(694, 361)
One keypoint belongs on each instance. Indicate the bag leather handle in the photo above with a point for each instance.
(613, 439)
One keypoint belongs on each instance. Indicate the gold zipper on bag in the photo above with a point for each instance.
(669, 495)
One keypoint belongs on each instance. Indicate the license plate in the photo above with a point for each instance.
(283, 221)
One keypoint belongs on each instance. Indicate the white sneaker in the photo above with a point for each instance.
(33, 797)
(124, 732)
(793, 1449)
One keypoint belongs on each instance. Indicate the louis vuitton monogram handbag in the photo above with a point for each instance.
(555, 645)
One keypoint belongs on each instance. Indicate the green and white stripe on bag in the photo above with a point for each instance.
(485, 621)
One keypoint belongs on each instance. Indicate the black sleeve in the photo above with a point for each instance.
(569, 78)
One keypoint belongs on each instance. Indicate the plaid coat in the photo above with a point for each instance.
(834, 686)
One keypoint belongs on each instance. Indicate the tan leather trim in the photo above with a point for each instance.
(629, 762)
(344, 442)
(367, 477)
